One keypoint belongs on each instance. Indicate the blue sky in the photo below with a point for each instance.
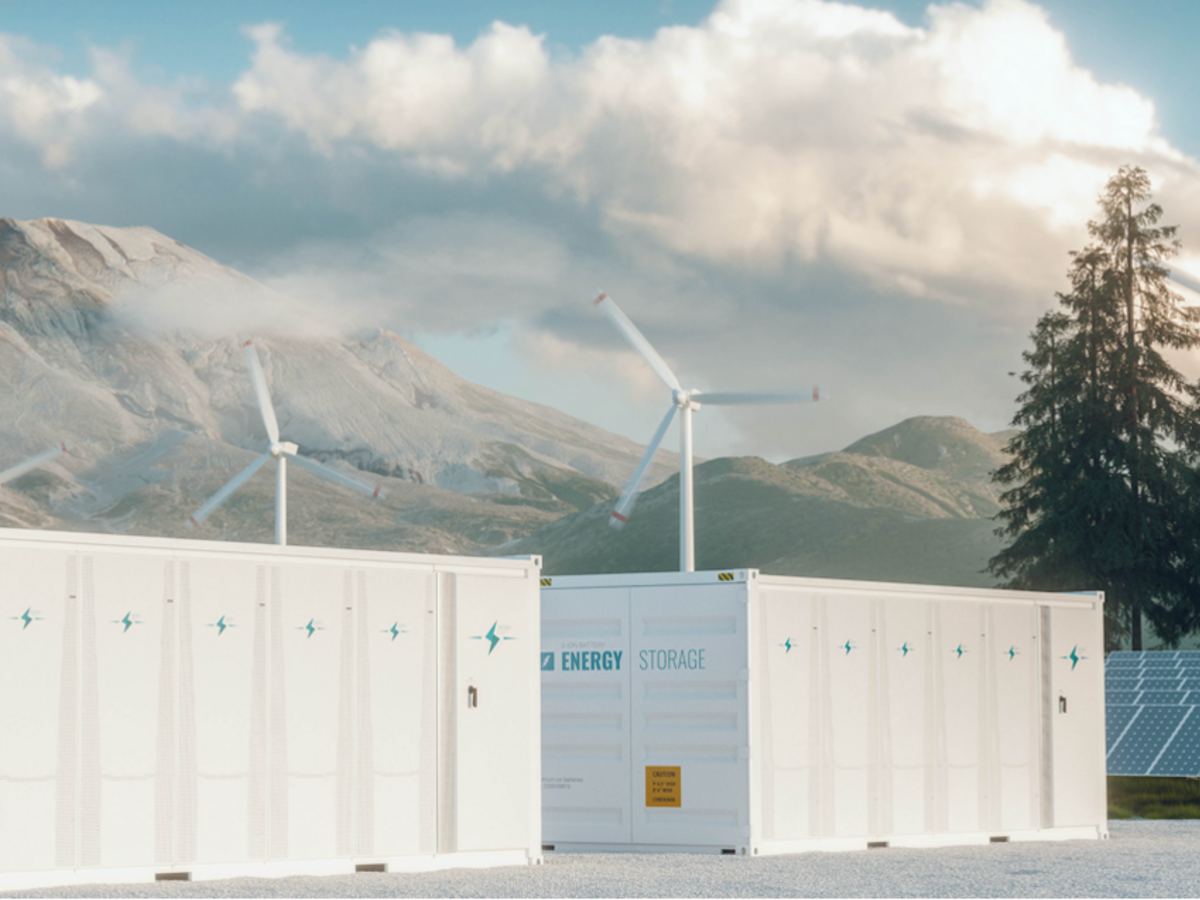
(1148, 45)
(778, 192)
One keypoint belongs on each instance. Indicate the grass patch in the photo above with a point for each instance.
(1131, 797)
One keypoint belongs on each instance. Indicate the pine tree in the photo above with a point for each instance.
(1102, 491)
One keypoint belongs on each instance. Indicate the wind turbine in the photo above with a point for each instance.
(282, 452)
(32, 463)
(684, 402)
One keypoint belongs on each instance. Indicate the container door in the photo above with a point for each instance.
(788, 701)
(850, 706)
(585, 663)
(222, 813)
(1013, 717)
(1076, 713)
(960, 654)
(396, 713)
(311, 610)
(903, 699)
(690, 780)
(129, 610)
(497, 703)
(39, 668)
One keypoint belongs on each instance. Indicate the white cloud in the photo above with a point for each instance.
(929, 159)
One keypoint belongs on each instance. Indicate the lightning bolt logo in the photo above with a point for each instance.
(309, 628)
(959, 651)
(787, 645)
(847, 647)
(1012, 652)
(491, 637)
(128, 621)
(904, 648)
(26, 618)
(1074, 657)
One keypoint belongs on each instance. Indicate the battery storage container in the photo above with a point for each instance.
(749, 714)
(186, 710)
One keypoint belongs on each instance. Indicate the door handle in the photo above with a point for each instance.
(472, 698)
(1062, 703)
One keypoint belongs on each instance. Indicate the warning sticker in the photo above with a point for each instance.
(664, 786)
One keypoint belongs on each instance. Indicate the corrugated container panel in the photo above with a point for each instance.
(214, 710)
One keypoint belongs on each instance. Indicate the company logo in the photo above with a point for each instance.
(1012, 653)
(905, 649)
(547, 662)
(787, 646)
(492, 638)
(1074, 657)
(26, 618)
(848, 646)
(221, 624)
(311, 627)
(128, 620)
(395, 631)
(959, 651)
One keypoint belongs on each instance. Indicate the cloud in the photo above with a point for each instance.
(928, 159)
(793, 190)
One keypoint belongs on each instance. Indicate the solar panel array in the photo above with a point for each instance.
(1152, 723)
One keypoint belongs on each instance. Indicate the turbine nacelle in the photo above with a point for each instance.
(283, 448)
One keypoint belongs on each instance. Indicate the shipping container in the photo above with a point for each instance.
(191, 709)
(750, 714)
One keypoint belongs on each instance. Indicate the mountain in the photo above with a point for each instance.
(160, 414)
(109, 340)
(910, 503)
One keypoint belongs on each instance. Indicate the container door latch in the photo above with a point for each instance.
(473, 697)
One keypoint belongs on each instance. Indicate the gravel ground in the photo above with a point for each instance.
(1142, 859)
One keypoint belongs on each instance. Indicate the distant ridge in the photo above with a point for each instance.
(910, 503)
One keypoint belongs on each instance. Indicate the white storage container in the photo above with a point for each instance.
(198, 709)
(743, 713)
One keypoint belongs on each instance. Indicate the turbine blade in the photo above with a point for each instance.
(32, 463)
(637, 340)
(718, 398)
(259, 380)
(624, 508)
(226, 492)
(371, 490)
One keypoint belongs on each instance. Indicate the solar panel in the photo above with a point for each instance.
(1153, 726)
(1120, 698)
(1118, 717)
(1161, 684)
(1182, 755)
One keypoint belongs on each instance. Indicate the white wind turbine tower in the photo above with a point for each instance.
(685, 402)
(282, 451)
(32, 463)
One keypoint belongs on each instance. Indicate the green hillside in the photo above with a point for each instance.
(911, 503)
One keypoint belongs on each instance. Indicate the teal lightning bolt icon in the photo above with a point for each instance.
(904, 648)
(1074, 657)
(492, 638)
(220, 625)
(959, 651)
(309, 628)
(395, 631)
(847, 647)
(26, 618)
(787, 645)
(1012, 651)
(128, 621)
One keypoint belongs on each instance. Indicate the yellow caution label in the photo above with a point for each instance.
(664, 786)
(725, 576)
(546, 582)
